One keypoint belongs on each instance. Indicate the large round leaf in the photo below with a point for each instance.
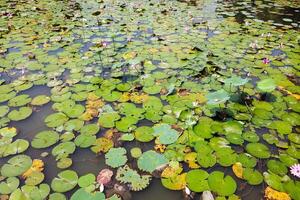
(16, 166)
(252, 176)
(44, 139)
(217, 97)
(258, 150)
(63, 150)
(9, 185)
(65, 181)
(18, 115)
(116, 157)
(40, 100)
(150, 160)
(221, 184)
(197, 180)
(266, 85)
(144, 134)
(82, 194)
(56, 119)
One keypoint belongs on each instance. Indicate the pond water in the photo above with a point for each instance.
(168, 95)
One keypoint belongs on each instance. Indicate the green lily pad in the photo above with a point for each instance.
(150, 160)
(247, 160)
(9, 185)
(64, 163)
(107, 120)
(44, 139)
(277, 167)
(34, 178)
(40, 100)
(82, 194)
(86, 180)
(18, 115)
(116, 157)
(236, 81)
(15, 147)
(217, 97)
(16, 166)
(65, 181)
(258, 150)
(253, 177)
(266, 85)
(90, 129)
(136, 152)
(63, 150)
(221, 184)
(84, 141)
(3, 110)
(20, 100)
(56, 119)
(165, 134)
(57, 196)
(197, 180)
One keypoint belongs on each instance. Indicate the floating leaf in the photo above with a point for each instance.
(63, 150)
(130, 176)
(86, 180)
(144, 134)
(165, 134)
(238, 169)
(40, 100)
(253, 177)
(16, 166)
(9, 185)
(197, 180)
(150, 160)
(221, 184)
(18, 115)
(271, 194)
(116, 157)
(258, 150)
(82, 194)
(65, 181)
(56, 119)
(266, 85)
(102, 145)
(217, 97)
(20, 100)
(44, 139)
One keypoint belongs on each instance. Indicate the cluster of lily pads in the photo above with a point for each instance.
(204, 103)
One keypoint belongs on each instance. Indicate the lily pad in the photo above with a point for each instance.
(217, 97)
(197, 180)
(56, 119)
(40, 100)
(9, 185)
(65, 181)
(44, 139)
(16, 166)
(253, 177)
(221, 184)
(82, 194)
(18, 115)
(266, 85)
(116, 157)
(258, 150)
(150, 160)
